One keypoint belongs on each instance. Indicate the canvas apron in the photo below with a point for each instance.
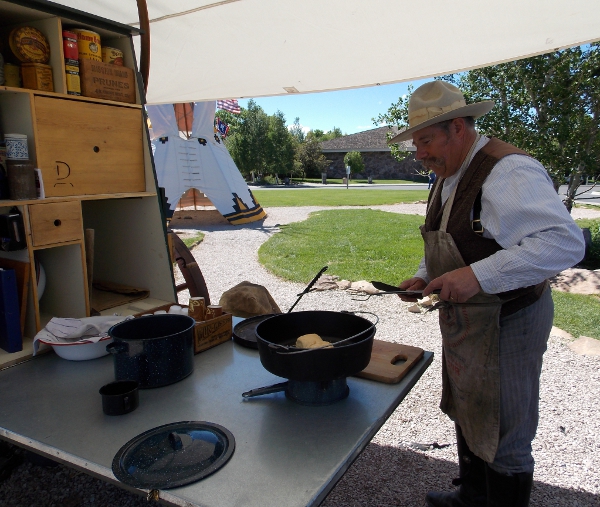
(470, 360)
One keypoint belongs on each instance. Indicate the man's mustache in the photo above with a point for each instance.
(433, 162)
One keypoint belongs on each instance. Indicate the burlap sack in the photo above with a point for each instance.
(248, 300)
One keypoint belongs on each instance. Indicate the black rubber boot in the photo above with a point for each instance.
(472, 481)
(508, 490)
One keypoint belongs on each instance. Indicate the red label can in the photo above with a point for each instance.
(70, 45)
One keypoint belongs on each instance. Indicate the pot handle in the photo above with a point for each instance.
(265, 390)
(117, 348)
(367, 313)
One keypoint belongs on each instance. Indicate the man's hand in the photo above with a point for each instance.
(456, 286)
(414, 283)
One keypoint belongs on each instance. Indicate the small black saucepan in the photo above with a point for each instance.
(351, 336)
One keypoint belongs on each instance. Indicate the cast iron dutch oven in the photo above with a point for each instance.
(276, 337)
(155, 351)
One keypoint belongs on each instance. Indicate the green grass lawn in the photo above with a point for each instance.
(339, 181)
(336, 197)
(192, 241)
(577, 314)
(355, 244)
(366, 244)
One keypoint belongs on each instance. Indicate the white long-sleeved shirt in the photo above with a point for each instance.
(521, 211)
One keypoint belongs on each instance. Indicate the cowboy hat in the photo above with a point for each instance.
(435, 102)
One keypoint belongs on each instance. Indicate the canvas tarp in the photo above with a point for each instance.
(200, 162)
(211, 49)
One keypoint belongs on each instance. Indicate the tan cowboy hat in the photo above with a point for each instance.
(435, 102)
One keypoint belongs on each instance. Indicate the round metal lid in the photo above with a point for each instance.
(173, 455)
(244, 332)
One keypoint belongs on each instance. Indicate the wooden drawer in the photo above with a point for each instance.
(56, 222)
(85, 148)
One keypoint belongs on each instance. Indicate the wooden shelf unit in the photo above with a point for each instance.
(96, 160)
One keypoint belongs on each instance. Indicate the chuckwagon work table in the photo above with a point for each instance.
(286, 454)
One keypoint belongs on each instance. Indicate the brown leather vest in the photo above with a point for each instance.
(474, 247)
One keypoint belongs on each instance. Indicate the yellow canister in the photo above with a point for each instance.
(72, 75)
(112, 55)
(12, 75)
(88, 44)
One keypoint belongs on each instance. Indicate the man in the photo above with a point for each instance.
(495, 231)
(431, 178)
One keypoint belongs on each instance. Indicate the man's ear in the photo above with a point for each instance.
(459, 127)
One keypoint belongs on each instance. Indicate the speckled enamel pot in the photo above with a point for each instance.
(155, 351)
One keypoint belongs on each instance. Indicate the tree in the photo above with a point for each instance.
(311, 158)
(397, 116)
(296, 130)
(355, 161)
(320, 136)
(549, 106)
(261, 144)
(280, 149)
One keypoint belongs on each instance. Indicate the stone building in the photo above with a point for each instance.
(376, 155)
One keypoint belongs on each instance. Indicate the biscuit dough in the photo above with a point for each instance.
(311, 341)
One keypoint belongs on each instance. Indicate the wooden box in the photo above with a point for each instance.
(106, 81)
(212, 332)
(207, 333)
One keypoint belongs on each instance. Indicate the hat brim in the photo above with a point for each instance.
(475, 110)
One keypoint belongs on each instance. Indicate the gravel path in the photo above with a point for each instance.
(403, 460)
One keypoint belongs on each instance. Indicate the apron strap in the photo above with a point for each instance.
(450, 200)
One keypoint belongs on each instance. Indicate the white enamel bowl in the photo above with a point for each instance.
(79, 351)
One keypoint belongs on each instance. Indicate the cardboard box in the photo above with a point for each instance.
(37, 76)
(106, 81)
(212, 332)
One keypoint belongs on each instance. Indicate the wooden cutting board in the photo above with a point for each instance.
(390, 362)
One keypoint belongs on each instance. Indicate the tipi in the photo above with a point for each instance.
(201, 161)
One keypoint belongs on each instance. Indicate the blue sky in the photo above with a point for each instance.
(349, 110)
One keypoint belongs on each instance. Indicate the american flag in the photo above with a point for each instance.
(229, 105)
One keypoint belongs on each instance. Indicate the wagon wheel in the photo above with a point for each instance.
(194, 281)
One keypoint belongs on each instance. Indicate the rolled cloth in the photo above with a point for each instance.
(248, 300)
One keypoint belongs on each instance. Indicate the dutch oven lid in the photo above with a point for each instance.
(244, 332)
(173, 455)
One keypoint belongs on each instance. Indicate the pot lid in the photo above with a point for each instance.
(244, 332)
(173, 455)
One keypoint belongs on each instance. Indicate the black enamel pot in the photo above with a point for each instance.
(276, 337)
(155, 351)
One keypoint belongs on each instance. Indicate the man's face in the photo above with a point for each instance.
(439, 151)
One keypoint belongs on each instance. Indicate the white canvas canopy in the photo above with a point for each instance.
(209, 49)
(200, 162)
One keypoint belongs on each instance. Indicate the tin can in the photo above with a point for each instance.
(12, 75)
(29, 45)
(70, 49)
(21, 180)
(72, 77)
(37, 76)
(112, 55)
(213, 311)
(88, 44)
(197, 308)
